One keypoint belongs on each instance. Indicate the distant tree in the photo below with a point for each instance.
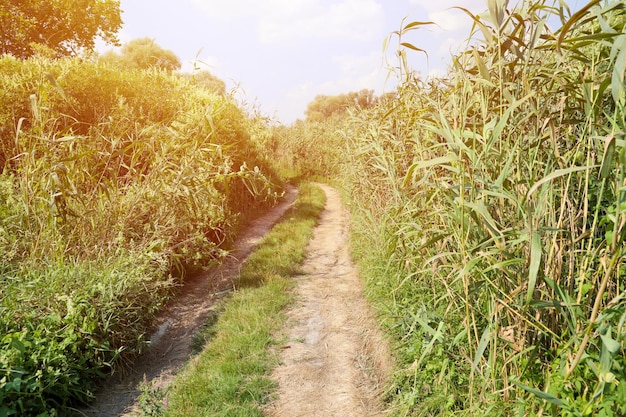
(207, 80)
(364, 99)
(324, 107)
(145, 53)
(66, 27)
(111, 57)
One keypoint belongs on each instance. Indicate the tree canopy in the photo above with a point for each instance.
(323, 107)
(143, 53)
(207, 80)
(146, 53)
(63, 26)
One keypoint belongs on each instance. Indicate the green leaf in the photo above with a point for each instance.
(576, 17)
(611, 344)
(482, 68)
(56, 85)
(18, 345)
(556, 174)
(535, 263)
(504, 120)
(14, 385)
(441, 161)
(496, 10)
(484, 342)
(619, 67)
(490, 223)
(543, 395)
(540, 304)
(437, 335)
(607, 158)
(6, 411)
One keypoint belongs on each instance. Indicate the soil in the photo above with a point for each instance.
(335, 360)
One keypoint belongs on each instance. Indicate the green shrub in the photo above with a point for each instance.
(65, 326)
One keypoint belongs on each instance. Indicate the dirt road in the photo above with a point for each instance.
(170, 344)
(336, 360)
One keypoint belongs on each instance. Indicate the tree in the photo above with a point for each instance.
(64, 26)
(324, 107)
(145, 53)
(207, 80)
(364, 99)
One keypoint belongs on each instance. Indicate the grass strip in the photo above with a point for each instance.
(230, 377)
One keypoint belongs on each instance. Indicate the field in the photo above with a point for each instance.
(495, 199)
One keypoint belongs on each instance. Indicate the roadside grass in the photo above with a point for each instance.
(231, 375)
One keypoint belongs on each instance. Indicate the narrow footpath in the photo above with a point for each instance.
(336, 360)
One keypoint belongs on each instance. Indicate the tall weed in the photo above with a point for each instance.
(496, 196)
(115, 186)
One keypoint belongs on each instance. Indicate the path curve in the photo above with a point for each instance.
(170, 344)
(336, 360)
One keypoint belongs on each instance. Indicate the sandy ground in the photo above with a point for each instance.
(336, 361)
(170, 344)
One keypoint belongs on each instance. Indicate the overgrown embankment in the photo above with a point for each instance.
(492, 216)
(116, 183)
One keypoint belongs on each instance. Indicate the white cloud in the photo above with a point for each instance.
(353, 65)
(228, 9)
(450, 19)
(289, 20)
(439, 5)
(450, 45)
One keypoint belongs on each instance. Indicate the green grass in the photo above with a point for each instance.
(230, 377)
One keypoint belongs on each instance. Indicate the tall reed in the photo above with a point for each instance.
(498, 194)
(116, 185)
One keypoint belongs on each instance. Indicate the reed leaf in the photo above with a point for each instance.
(557, 174)
(535, 264)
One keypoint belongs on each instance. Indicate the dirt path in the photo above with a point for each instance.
(170, 345)
(336, 360)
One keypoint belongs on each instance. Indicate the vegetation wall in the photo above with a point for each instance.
(115, 184)
(491, 217)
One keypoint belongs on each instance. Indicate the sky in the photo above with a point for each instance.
(280, 54)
